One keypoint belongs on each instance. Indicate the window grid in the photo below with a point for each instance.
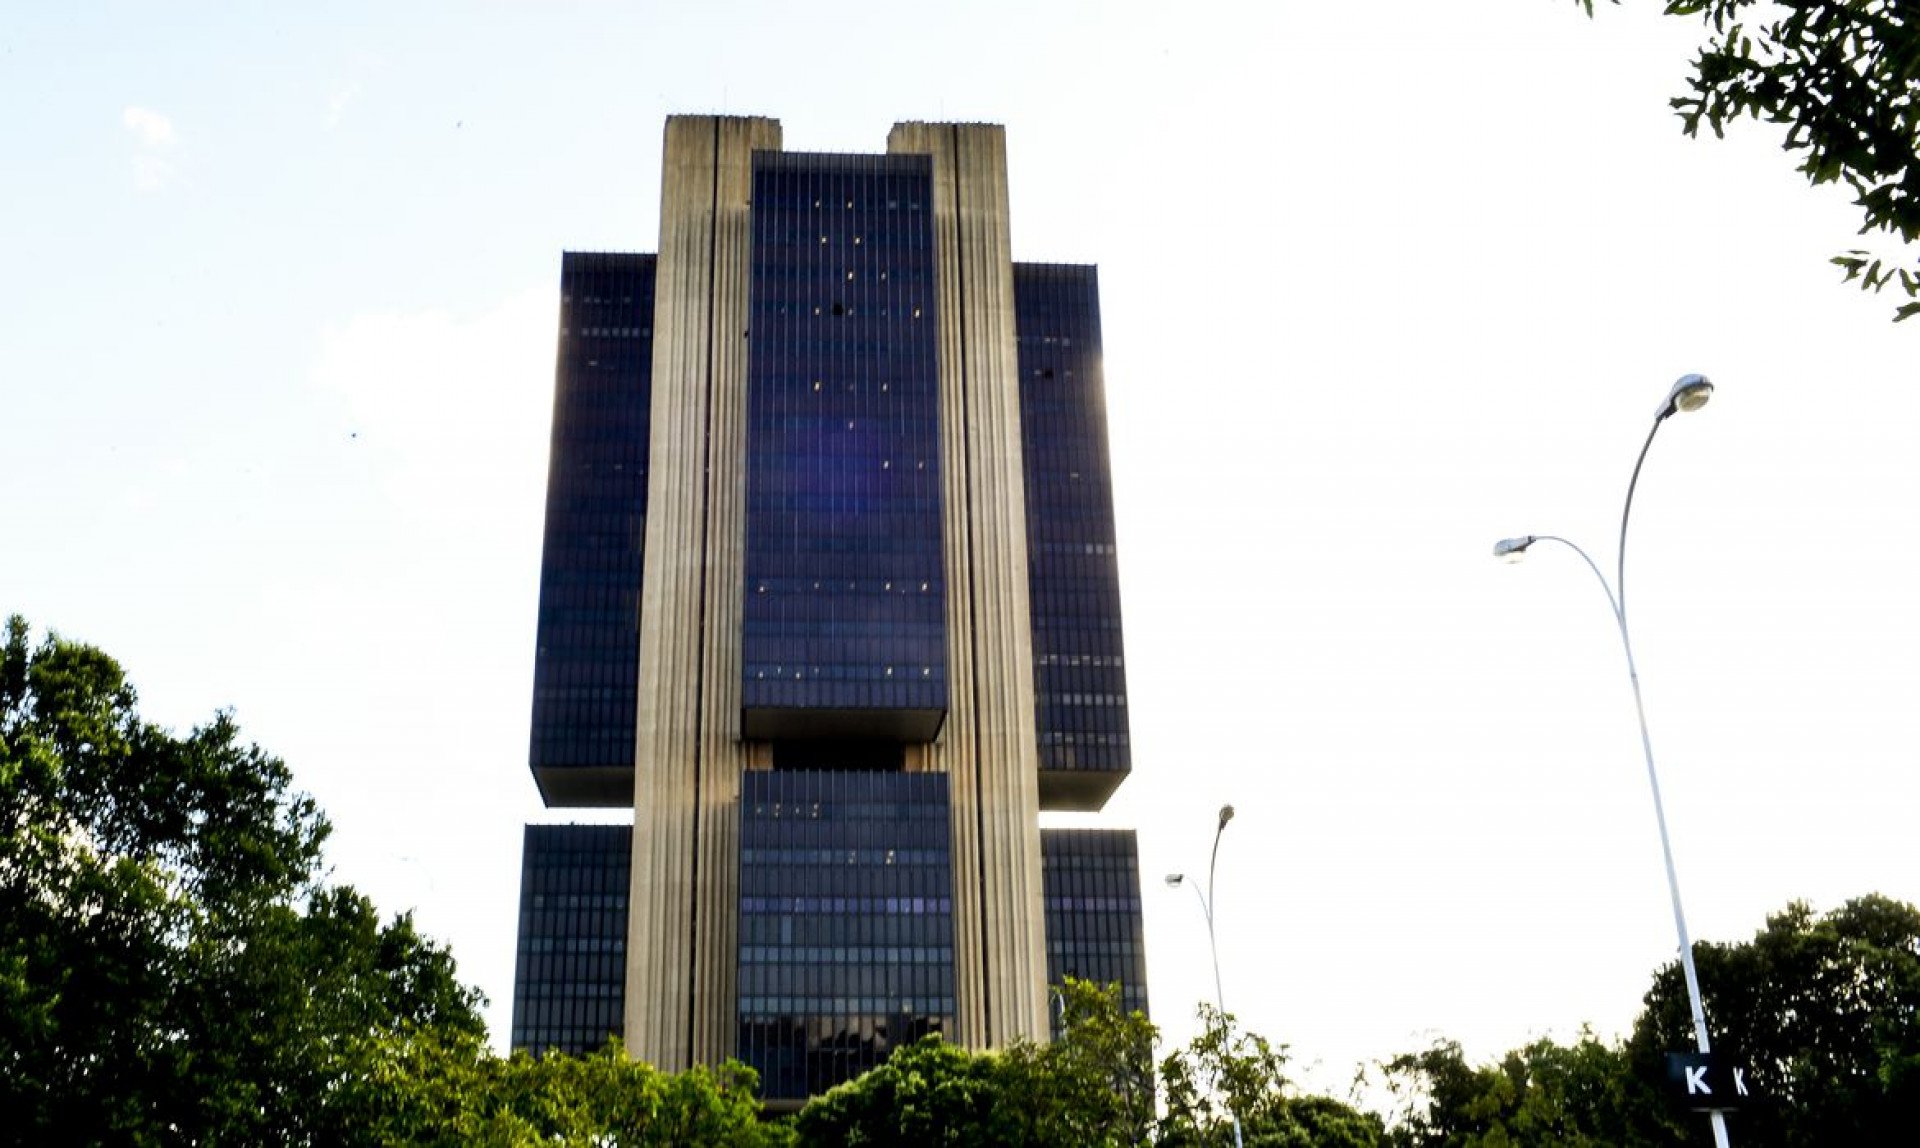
(844, 591)
(569, 984)
(587, 653)
(1080, 680)
(846, 922)
(1090, 885)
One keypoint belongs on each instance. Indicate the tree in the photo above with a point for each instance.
(1225, 1073)
(1093, 1086)
(926, 1093)
(1824, 1013)
(1841, 74)
(1543, 1094)
(171, 969)
(433, 1088)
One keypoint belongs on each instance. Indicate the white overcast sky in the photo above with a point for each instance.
(1382, 283)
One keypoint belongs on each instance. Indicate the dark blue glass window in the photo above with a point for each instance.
(569, 982)
(844, 628)
(1090, 881)
(1073, 578)
(586, 662)
(846, 922)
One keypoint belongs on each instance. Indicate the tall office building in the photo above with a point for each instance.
(829, 599)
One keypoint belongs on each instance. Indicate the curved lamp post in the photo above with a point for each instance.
(1690, 393)
(1174, 881)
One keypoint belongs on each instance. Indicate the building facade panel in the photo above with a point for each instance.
(846, 922)
(1080, 679)
(569, 981)
(587, 654)
(844, 629)
(1094, 933)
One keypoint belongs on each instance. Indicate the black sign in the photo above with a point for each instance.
(1705, 1083)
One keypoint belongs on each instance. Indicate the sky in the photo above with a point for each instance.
(1381, 284)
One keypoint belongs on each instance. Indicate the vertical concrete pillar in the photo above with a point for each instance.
(687, 751)
(988, 742)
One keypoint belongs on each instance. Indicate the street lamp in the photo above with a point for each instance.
(1689, 393)
(1174, 881)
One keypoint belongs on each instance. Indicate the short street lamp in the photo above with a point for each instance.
(1690, 393)
(1174, 881)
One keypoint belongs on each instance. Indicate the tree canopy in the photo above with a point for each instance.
(1094, 1087)
(174, 970)
(1227, 1072)
(449, 1089)
(171, 968)
(1842, 77)
(1822, 1010)
(1581, 1095)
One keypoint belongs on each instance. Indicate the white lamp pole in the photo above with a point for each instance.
(1690, 393)
(1174, 881)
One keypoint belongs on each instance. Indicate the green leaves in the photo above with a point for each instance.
(1842, 78)
(171, 969)
(1874, 275)
(429, 1087)
(1091, 1088)
(1823, 1013)
(1544, 1093)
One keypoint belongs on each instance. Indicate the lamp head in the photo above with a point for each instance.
(1174, 880)
(1690, 393)
(1226, 815)
(1513, 549)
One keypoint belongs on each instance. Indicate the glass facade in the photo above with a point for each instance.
(1091, 883)
(1073, 577)
(846, 922)
(569, 982)
(587, 657)
(844, 628)
(846, 886)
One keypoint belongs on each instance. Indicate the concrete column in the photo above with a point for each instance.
(687, 753)
(988, 743)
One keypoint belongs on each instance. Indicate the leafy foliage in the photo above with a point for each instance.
(170, 969)
(1226, 1072)
(1545, 1093)
(1092, 1087)
(1842, 76)
(928, 1092)
(433, 1088)
(1824, 1010)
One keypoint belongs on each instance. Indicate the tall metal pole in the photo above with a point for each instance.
(1213, 946)
(1676, 401)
